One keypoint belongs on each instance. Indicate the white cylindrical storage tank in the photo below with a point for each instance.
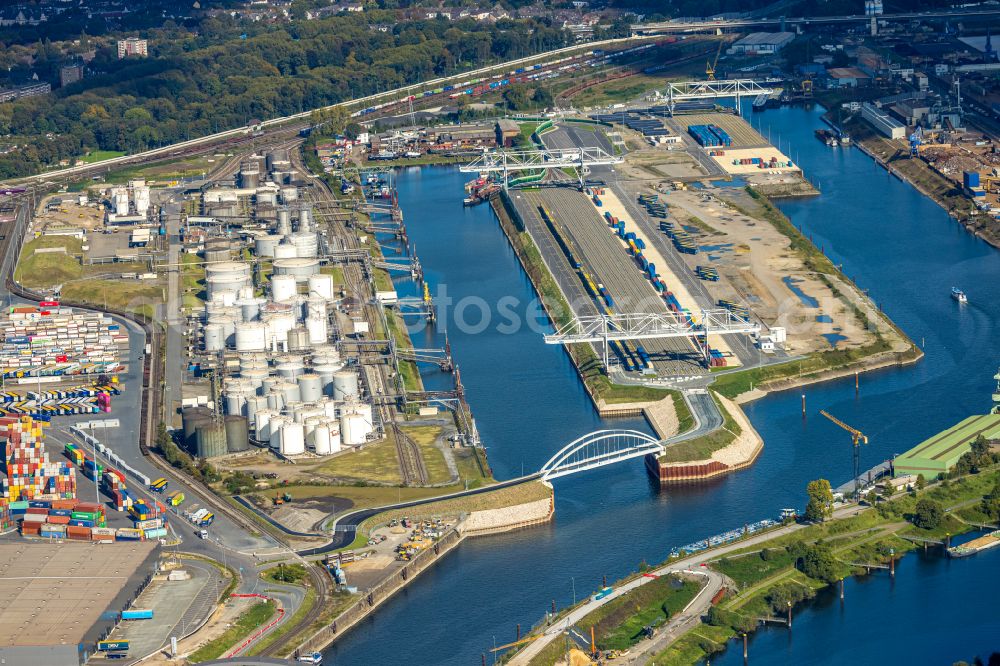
(284, 220)
(278, 326)
(231, 268)
(305, 216)
(306, 243)
(317, 330)
(255, 403)
(236, 402)
(269, 385)
(309, 427)
(252, 360)
(298, 339)
(283, 287)
(275, 400)
(321, 440)
(289, 370)
(215, 338)
(330, 408)
(300, 267)
(217, 285)
(255, 377)
(354, 429)
(316, 307)
(335, 440)
(321, 285)
(293, 442)
(345, 384)
(249, 308)
(290, 392)
(262, 422)
(228, 325)
(286, 251)
(263, 246)
(289, 194)
(251, 336)
(274, 431)
(310, 387)
(325, 373)
(269, 197)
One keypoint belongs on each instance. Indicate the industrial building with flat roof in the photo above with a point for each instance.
(762, 43)
(61, 598)
(942, 451)
(883, 122)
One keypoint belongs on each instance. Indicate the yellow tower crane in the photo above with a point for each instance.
(858, 438)
(710, 66)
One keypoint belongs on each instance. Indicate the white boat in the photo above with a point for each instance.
(315, 658)
(959, 295)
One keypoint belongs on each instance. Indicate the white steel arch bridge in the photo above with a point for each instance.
(599, 448)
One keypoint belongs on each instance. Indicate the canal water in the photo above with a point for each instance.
(528, 403)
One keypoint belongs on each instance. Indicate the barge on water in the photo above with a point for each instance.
(979, 544)
(827, 137)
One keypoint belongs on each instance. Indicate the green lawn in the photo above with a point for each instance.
(378, 463)
(292, 574)
(49, 269)
(250, 620)
(135, 296)
(99, 156)
(618, 625)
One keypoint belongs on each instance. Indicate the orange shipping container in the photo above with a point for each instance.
(59, 520)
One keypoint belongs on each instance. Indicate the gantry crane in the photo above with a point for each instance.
(710, 66)
(858, 438)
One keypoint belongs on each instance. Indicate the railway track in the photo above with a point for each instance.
(411, 462)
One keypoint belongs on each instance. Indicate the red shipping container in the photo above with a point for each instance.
(31, 528)
(37, 511)
(59, 520)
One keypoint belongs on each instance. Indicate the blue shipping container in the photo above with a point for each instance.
(137, 615)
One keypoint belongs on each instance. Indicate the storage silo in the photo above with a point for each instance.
(228, 325)
(191, 418)
(224, 287)
(289, 392)
(284, 221)
(263, 246)
(255, 403)
(211, 439)
(262, 423)
(299, 267)
(278, 325)
(275, 399)
(317, 329)
(236, 401)
(345, 384)
(293, 441)
(237, 434)
(310, 387)
(321, 440)
(251, 336)
(298, 339)
(215, 339)
(283, 287)
(285, 250)
(321, 285)
(335, 439)
(249, 308)
(289, 370)
(306, 243)
(305, 216)
(354, 430)
(274, 431)
(230, 268)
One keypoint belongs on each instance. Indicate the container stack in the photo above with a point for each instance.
(50, 341)
(28, 472)
(62, 519)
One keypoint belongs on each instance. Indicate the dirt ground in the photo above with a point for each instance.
(217, 625)
(659, 162)
(68, 213)
(756, 267)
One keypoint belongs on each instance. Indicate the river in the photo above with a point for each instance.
(528, 403)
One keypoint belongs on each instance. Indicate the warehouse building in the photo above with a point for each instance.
(762, 43)
(61, 598)
(941, 452)
(885, 124)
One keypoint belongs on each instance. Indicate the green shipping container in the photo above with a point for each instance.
(84, 515)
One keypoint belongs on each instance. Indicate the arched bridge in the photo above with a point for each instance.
(597, 449)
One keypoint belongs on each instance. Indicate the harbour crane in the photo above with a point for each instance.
(916, 140)
(857, 438)
(710, 66)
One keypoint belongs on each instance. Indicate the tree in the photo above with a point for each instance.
(818, 562)
(921, 482)
(542, 98)
(820, 505)
(927, 514)
(871, 497)
(888, 490)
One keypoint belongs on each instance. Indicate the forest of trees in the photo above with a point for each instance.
(196, 83)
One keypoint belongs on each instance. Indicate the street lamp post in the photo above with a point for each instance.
(573, 579)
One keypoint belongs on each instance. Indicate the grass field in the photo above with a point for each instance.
(49, 269)
(253, 618)
(134, 296)
(99, 156)
(378, 463)
(408, 370)
(425, 436)
(618, 625)
(291, 574)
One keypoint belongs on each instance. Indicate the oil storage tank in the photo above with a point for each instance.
(293, 440)
(321, 285)
(263, 246)
(237, 434)
(283, 287)
(251, 337)
(211, 439)
(191, 418)
(345, 384)
(300, 267)
(310, 387)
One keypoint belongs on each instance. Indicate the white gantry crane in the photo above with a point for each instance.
(506, 162)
